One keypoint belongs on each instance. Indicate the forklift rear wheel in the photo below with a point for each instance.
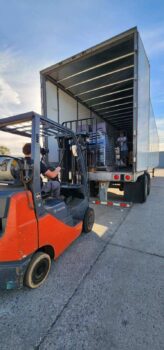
(88, 220)
(37, 270)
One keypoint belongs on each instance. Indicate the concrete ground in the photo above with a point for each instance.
(105, 292)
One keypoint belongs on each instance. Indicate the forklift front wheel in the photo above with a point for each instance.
(88, 220)
(37, 270)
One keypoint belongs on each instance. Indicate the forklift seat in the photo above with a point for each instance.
(45, 195)
(51, 202)
(72, 190)
(58, 208)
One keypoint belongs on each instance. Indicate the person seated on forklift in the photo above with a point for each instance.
(52, 186)
(122, 144)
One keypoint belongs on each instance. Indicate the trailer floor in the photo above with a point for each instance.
(105, 292)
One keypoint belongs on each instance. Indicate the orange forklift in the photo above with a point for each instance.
(35, 227)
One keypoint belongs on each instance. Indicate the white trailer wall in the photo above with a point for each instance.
(52, 112)
(51, 101)
(153, 141)
(69, 109)
(83, 112)
(143, 108)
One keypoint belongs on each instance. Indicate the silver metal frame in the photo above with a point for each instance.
(135, 101)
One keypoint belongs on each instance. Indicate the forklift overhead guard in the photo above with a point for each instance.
(36, 229)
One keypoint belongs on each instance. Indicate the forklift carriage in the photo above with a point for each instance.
(34, 227)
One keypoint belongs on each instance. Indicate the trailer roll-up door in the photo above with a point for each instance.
(101, 79)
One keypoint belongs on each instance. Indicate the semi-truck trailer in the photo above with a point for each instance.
(108, 86)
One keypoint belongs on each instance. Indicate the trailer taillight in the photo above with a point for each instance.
(116, 177)
(127, 177)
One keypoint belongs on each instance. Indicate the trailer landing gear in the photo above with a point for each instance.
(103, 191)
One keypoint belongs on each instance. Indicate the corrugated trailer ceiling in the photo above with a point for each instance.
(101, 78)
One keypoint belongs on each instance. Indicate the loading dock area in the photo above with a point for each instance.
(106, 291)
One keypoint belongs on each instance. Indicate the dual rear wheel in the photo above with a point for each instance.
(145, 186)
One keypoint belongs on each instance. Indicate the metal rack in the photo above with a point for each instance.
(100, 141)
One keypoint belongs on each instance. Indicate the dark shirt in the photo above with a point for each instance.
(43, 168)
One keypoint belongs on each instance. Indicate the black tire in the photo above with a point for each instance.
(38, 270)
(88, 221)
(145, 188)
(149, 184)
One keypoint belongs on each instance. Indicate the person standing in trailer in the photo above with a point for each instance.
(122, 144)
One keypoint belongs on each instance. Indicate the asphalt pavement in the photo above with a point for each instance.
(105, 292)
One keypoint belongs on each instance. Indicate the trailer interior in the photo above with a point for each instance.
(102, 79)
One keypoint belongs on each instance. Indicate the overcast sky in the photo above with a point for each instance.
(36, 34)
